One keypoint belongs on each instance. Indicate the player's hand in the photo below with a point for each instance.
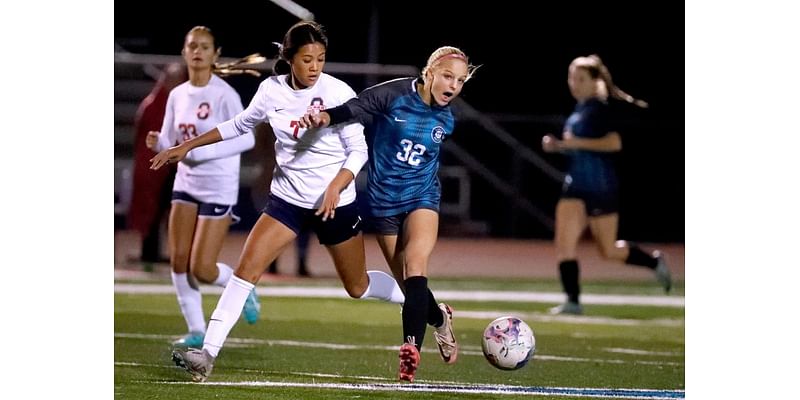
(317, 120)
(151, 140)
(329, 203)
(170, 155)
(551, 144)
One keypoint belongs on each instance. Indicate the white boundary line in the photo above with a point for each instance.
(422, 385)
(445, 295)
(468, 389)
(465, 350)
(572, 319)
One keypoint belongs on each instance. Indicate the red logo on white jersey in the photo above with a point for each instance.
(316, 106)
(203, 110)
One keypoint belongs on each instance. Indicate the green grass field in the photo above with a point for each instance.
(332, 348)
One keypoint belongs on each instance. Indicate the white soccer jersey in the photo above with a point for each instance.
(208, 173)
(307, 160)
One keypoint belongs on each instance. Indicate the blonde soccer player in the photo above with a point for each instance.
(407, 120)
(590, 140)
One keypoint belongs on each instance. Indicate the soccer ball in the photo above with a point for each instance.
(508, 343)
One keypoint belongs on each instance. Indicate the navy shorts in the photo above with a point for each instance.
(597, 203)
(391, 225)
(205, 210)
(345, 225)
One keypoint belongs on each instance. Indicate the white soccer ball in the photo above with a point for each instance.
(508, 343)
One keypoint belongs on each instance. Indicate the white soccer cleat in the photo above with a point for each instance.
(196, 362)
(445, 338)
(568, 308)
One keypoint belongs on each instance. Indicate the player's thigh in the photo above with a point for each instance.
(393, 254)
(604, 228)
(209, 237)
(419, 235)
(182, 221)
(351, 265)
(268, 239)
(570, 222)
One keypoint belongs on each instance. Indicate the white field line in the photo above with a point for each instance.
(573, 319)
(423, 385)
(466, 389)
(642, 352)
(446, 295)
(465, 350)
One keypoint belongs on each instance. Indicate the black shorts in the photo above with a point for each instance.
(205, 210)
(597, 203)
(345, 225)
(391, 225)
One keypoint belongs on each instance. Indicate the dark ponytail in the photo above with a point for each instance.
(299, 35)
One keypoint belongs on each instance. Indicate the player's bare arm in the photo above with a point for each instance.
(178, 153)
(331, 197)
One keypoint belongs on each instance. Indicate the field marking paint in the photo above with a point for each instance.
(446, 295)
(437, 383)
(281, 372)
(465, 350)
(642, 352)
(423, 385)
(466, 389)
(575, 319)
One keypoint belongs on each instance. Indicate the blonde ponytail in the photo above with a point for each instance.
(606, 87)
(239, 66)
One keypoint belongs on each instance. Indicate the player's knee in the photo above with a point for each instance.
(179, 258)
(355, 291)
(609, 251)
(205, 273)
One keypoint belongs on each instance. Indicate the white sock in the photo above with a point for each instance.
(225, 273)
(191, 302)
(227, 313)
(383, 286)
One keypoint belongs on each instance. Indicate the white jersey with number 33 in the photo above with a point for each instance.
(208, 173)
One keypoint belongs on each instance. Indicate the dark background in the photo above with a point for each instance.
(525, 49)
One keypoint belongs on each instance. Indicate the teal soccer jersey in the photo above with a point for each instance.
(404, 136)
(591, 171)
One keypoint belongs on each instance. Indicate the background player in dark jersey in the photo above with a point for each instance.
(590, 139)
(406, 120)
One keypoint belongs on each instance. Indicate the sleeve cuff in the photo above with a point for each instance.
(339, 114)
(354, 162)
(227, 130)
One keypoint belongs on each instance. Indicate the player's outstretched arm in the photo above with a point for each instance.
(178, 153)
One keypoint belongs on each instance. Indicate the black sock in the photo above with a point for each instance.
(415, 310)
(569, 279)
(435, 317)
(637, 256)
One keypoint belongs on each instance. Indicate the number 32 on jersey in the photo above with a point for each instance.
(412, 152)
